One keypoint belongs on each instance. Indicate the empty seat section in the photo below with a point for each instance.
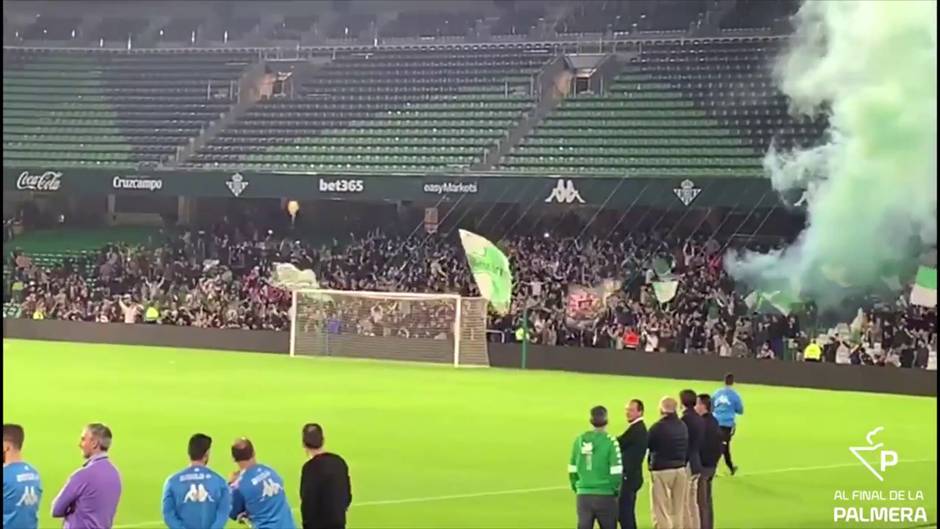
(110, 109)
(386, 110)
(699, 108)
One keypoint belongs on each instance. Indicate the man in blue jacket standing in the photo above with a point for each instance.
(22, 488)
(727, 405)
(196, 497)
(258, 492)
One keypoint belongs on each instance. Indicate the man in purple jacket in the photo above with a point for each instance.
(90, 497)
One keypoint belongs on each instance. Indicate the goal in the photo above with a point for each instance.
(439, 328)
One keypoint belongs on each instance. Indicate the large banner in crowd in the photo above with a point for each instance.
(429, 188)
(584, 305)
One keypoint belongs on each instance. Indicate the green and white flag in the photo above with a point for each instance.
(665, 290)
(775, 302)
(924, 292)
(490, 269)
(289, 277)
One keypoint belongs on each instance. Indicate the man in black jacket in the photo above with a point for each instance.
(325, 492)
(668, 458)
(633, 445)
(710, 452)
(696, 428)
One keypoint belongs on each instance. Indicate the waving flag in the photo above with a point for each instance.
(490, 269)
(924, 292)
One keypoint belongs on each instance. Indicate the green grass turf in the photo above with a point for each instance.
(415, 435)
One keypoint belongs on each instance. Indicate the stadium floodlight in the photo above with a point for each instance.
(438, 328)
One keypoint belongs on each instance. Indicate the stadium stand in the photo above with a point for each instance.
(351, 25)
(52, 28)
(614, 17)
(293, 28)
(118, 29)
(392, 110)
(756, 14)
(97, 109)
(518, 21)
(432, 25)
(180, 30)
(690, 108)
(709, 315)
(236, 28)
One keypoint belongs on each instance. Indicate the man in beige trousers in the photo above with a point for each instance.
(668, 460)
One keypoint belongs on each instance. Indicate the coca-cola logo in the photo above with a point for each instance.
(47, 181)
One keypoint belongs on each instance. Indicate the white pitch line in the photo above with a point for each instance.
(425, 499)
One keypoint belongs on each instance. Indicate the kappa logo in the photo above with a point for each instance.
(686, 192)
(270, 488)
(197, 494)
(888, 458)
(29, 497)
(564, 192)
(237, 184)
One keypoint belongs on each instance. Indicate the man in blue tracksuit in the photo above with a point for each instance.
(22, 489)
(258, 492)
(196, 497)
(727, 405)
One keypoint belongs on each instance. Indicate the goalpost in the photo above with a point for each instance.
(439, 328)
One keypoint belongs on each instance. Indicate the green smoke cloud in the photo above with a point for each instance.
(871, 187)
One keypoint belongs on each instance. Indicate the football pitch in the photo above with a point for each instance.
(437, 447)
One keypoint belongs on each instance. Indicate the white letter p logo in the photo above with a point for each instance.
(889, 458)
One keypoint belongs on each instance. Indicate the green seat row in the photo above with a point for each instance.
(682, 172)
(241, 166)
(54, 122)
(64, 138)
(621, 86)
(98, 130)
(616, 102)
(427, 159)
(674, 113)
(110, 164)
(373, 149)
(87, 147)
(628, 123)
(55, 98)
(525, 150)
(628, 132)
(606, 140)
(453, 132)
(376, 141)
(13, 154)
(635, 161)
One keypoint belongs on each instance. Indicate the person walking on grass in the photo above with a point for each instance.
(726, 406)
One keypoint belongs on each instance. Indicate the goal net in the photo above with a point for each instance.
(438, 328)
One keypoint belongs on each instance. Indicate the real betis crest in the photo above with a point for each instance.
(237, 184)
(686, 192)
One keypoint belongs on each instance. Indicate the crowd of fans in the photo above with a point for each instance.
(221, 279)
